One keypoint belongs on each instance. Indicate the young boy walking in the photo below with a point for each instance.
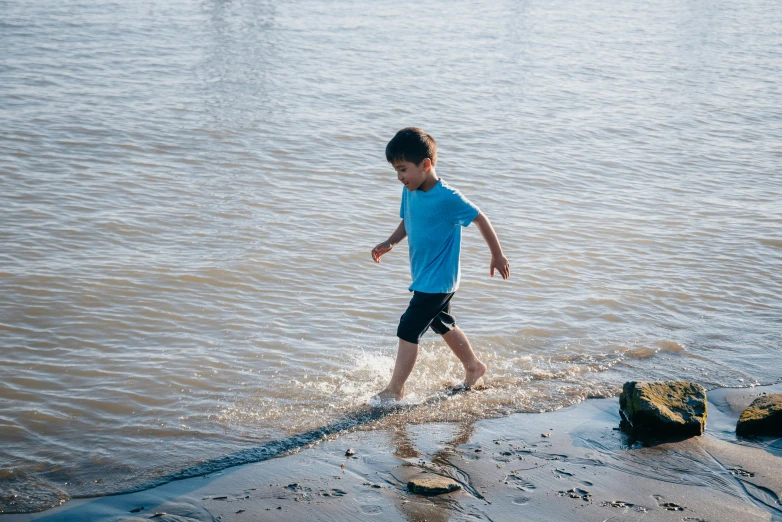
(433, 215)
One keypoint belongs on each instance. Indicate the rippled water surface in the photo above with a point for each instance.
(190, 191)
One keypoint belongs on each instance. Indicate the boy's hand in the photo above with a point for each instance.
(502, 265)
(383, 248)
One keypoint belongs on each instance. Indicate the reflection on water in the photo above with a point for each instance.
(190, 192)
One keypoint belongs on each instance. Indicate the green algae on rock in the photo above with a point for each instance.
(433, 485)
(663, 409)
(762, 417)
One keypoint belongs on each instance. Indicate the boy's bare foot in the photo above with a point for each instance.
(473, 374)
(389, 395)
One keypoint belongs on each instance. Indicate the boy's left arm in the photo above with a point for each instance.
(498, 260)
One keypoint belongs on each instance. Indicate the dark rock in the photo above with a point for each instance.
(666, 409)
(432, 485)
(762, 417)
(350, 452)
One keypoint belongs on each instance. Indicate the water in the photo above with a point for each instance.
(190, 192)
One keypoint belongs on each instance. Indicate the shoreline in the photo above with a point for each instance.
(568, 464)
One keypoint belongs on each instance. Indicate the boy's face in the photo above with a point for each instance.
(411, 175)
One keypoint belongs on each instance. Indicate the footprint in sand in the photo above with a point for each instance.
(503, 457)
(519, 483)
(577, 493)
(561, 473)
(521, 501)
(670, 506)
(618, 504)
(333, 493)
(368, 509)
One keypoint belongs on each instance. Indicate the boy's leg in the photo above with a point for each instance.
(458, 343)
(445, 325)
(420, 313)
(405, 360)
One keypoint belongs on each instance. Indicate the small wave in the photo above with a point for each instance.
(670, 346)
(776, 243)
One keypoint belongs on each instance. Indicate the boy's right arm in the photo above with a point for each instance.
(386, 246)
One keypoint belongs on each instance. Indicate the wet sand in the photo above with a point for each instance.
(571, 464)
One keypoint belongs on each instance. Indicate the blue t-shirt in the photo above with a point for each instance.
(433, 222)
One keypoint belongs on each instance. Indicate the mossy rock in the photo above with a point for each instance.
(433, 485)
(762, 417)
(663, 409)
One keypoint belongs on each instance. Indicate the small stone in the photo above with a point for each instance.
(240, 511)
(137, 510)
(433, 485)
(342, 465)
(545, 434)
(350, 452)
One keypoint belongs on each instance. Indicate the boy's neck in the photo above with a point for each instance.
(430, 182)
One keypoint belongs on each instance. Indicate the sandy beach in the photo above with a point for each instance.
(570, 464)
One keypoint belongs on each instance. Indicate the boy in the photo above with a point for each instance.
(432, 216)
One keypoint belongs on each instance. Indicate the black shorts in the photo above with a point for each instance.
(426, 310)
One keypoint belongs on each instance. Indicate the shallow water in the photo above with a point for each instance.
(190, 192)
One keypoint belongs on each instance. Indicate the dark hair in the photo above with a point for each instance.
(411, 144)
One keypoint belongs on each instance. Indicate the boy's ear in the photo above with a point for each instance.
(427, 164)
